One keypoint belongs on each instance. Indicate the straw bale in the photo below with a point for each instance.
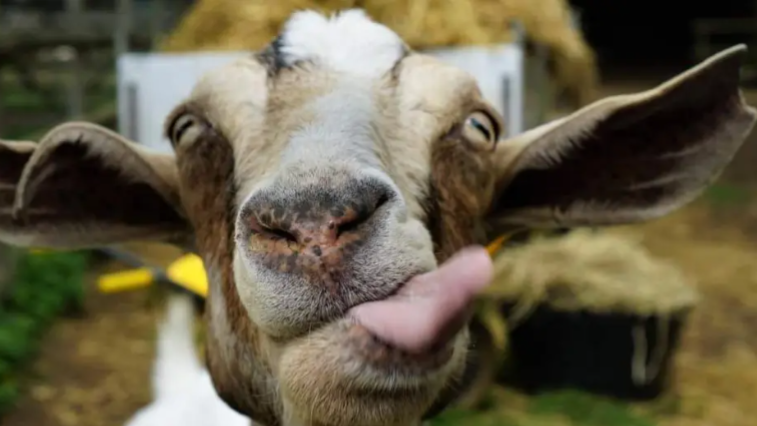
(587, 270)
(423, 24)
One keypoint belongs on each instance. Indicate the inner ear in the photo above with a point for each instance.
(13, 157)
(627, 158)
(83, 185)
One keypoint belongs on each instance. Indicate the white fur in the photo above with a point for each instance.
(343, 125)
(183, 391)
(348, 42)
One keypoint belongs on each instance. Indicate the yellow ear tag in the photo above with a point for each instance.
(189, 272)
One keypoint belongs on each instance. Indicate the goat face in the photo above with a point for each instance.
(326, 171)
(327, 141)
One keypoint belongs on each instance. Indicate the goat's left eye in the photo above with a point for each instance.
(186, 129)
(480, 129)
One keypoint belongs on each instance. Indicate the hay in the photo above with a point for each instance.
(423, 24)
(593, 271)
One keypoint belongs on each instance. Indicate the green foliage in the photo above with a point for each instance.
(46, 285)
(8, 394)
(586, 410)
(21, 104)
(725, 195)
(559, 408)
(24, 100)
(473, 418)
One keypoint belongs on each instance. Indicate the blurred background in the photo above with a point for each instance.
(71, 355)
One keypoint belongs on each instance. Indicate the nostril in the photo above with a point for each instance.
(382, 199)
(279, 234)
(351, 225)
(362, 217)
(319, 217)
(270, 232)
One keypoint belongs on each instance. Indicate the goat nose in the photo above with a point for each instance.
(316, 219)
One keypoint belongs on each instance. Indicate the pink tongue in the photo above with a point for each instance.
(431, 307)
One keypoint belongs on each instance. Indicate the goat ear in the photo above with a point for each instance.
(626, 158)
(83, 185)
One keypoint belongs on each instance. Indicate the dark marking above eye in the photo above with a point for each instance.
(271, 57)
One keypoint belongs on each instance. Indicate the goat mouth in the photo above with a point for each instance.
(431, 309)
(425, 339)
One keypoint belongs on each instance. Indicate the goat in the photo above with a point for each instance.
(317, 177)
(183, 392)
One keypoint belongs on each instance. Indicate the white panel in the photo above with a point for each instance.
(157, 82)
(494, 67)
(161, 82)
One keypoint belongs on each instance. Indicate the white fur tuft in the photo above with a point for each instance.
(349, 42)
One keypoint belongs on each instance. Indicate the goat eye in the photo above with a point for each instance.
(186, 129)
(480, 130)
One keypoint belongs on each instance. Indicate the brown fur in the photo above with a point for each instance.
(462, 186)
(206, 169)
(456, 211)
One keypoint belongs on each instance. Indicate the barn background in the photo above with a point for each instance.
(72, 356)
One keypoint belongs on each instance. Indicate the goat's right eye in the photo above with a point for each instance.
(481, 131)
(186, 129)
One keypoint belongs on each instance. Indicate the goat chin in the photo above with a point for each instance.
(183, 391)
(361, 381)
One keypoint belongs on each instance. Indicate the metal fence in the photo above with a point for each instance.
(58, 59)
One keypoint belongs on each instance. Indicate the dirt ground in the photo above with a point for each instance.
(716, 368)
(95, 370)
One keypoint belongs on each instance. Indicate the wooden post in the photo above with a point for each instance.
(75, 84)
(544, 87)
(1, 102)
(516, 109)
(157, 16)
(123, 28)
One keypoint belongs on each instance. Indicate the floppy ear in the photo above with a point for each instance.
(83, 185)
(626, 158)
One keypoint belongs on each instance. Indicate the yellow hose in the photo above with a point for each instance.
(126, 280)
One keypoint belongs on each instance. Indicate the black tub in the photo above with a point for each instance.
(613, 354)
(591, 311)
